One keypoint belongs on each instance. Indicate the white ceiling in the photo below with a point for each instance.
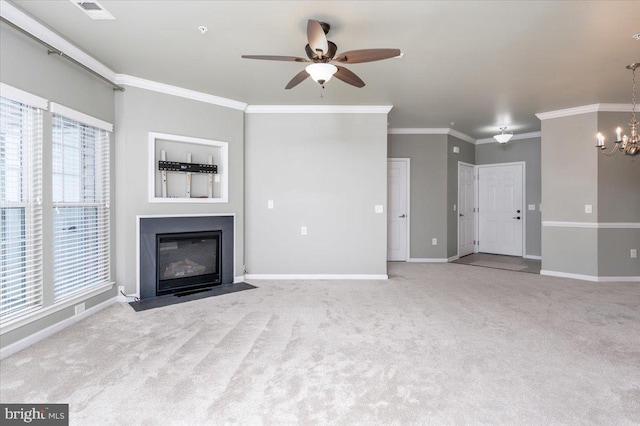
(480, 64)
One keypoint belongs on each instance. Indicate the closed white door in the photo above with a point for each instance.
(397, 209)
(500, 214)
(466, 202)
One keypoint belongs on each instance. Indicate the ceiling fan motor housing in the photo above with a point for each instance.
(329, 55)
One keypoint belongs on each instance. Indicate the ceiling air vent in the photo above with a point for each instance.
(93, 9)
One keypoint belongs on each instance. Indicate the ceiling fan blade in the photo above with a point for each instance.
(366, 55)
(299, 78)
(276, 58)
(348, 77)
(317, 38)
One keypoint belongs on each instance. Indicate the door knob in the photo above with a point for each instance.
(517, 211)
(461, 215)
(403, 215)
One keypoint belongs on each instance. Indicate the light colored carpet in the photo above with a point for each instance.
(499, 265)
(435, 344)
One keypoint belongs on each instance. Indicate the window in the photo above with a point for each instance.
(20, 204)
(81, 226)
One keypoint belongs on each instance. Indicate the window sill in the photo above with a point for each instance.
(41, 313)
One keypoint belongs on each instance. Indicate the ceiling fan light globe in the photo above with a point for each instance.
(321, 72)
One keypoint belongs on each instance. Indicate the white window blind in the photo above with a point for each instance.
(20, 208)
(81, 225)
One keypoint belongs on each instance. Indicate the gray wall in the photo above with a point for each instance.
(569, 181)
(467, 155)
(428, 214)
(618, 201)
(575, 174)
(140, 112)
(24, 64)
(323, 171)
(527, 150)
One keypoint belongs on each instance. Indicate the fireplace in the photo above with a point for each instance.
(161, 239)
(188, 261)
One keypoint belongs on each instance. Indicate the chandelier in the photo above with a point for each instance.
(627, 145)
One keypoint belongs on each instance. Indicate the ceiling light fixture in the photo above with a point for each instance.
(321, 72)
(503, 137)
(627, 145)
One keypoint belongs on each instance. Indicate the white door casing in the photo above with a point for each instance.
(398, 209)
(466, 204)
(500, 209)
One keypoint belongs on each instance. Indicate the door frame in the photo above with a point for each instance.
(475, 205)
(408, 213)
(524, 201)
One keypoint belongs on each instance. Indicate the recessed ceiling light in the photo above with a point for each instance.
(203, 30)
(636, 36)
(93, 9)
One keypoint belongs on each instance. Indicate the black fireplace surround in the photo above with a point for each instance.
(184, 253)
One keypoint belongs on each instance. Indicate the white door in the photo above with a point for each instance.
(397, 209)
(466, 202)
(500, 214)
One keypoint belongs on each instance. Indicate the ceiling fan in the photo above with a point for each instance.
(322, 55)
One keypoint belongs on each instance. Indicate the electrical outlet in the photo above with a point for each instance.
(378, 208)
(270, 204)
(532, 206)
(303, 230)
(216, 178)
(120, 290)
(588, 208)
(634, 253)
(79, 308)
(434, 241)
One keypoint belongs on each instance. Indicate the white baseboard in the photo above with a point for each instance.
(593, 278)
(428, 260)
(50, 331)
(531, 256)
(452, 258)
(316, 277)
(238, 279)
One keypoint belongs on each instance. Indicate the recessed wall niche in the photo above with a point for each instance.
(196, 181)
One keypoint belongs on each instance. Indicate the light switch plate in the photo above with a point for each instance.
(588, 208)
(216, 178)
(303, 230)
(532, 206)
(455, 207)
(270, 204)
(633, 253)
(379, 209)
(456, 150)
(434, 241)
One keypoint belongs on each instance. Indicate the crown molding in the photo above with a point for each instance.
(418, 131)
(141, 83)
(17, 17)
(430, 131)
(318, 109)
(586, 109)
(514, 138)
(461, 135)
